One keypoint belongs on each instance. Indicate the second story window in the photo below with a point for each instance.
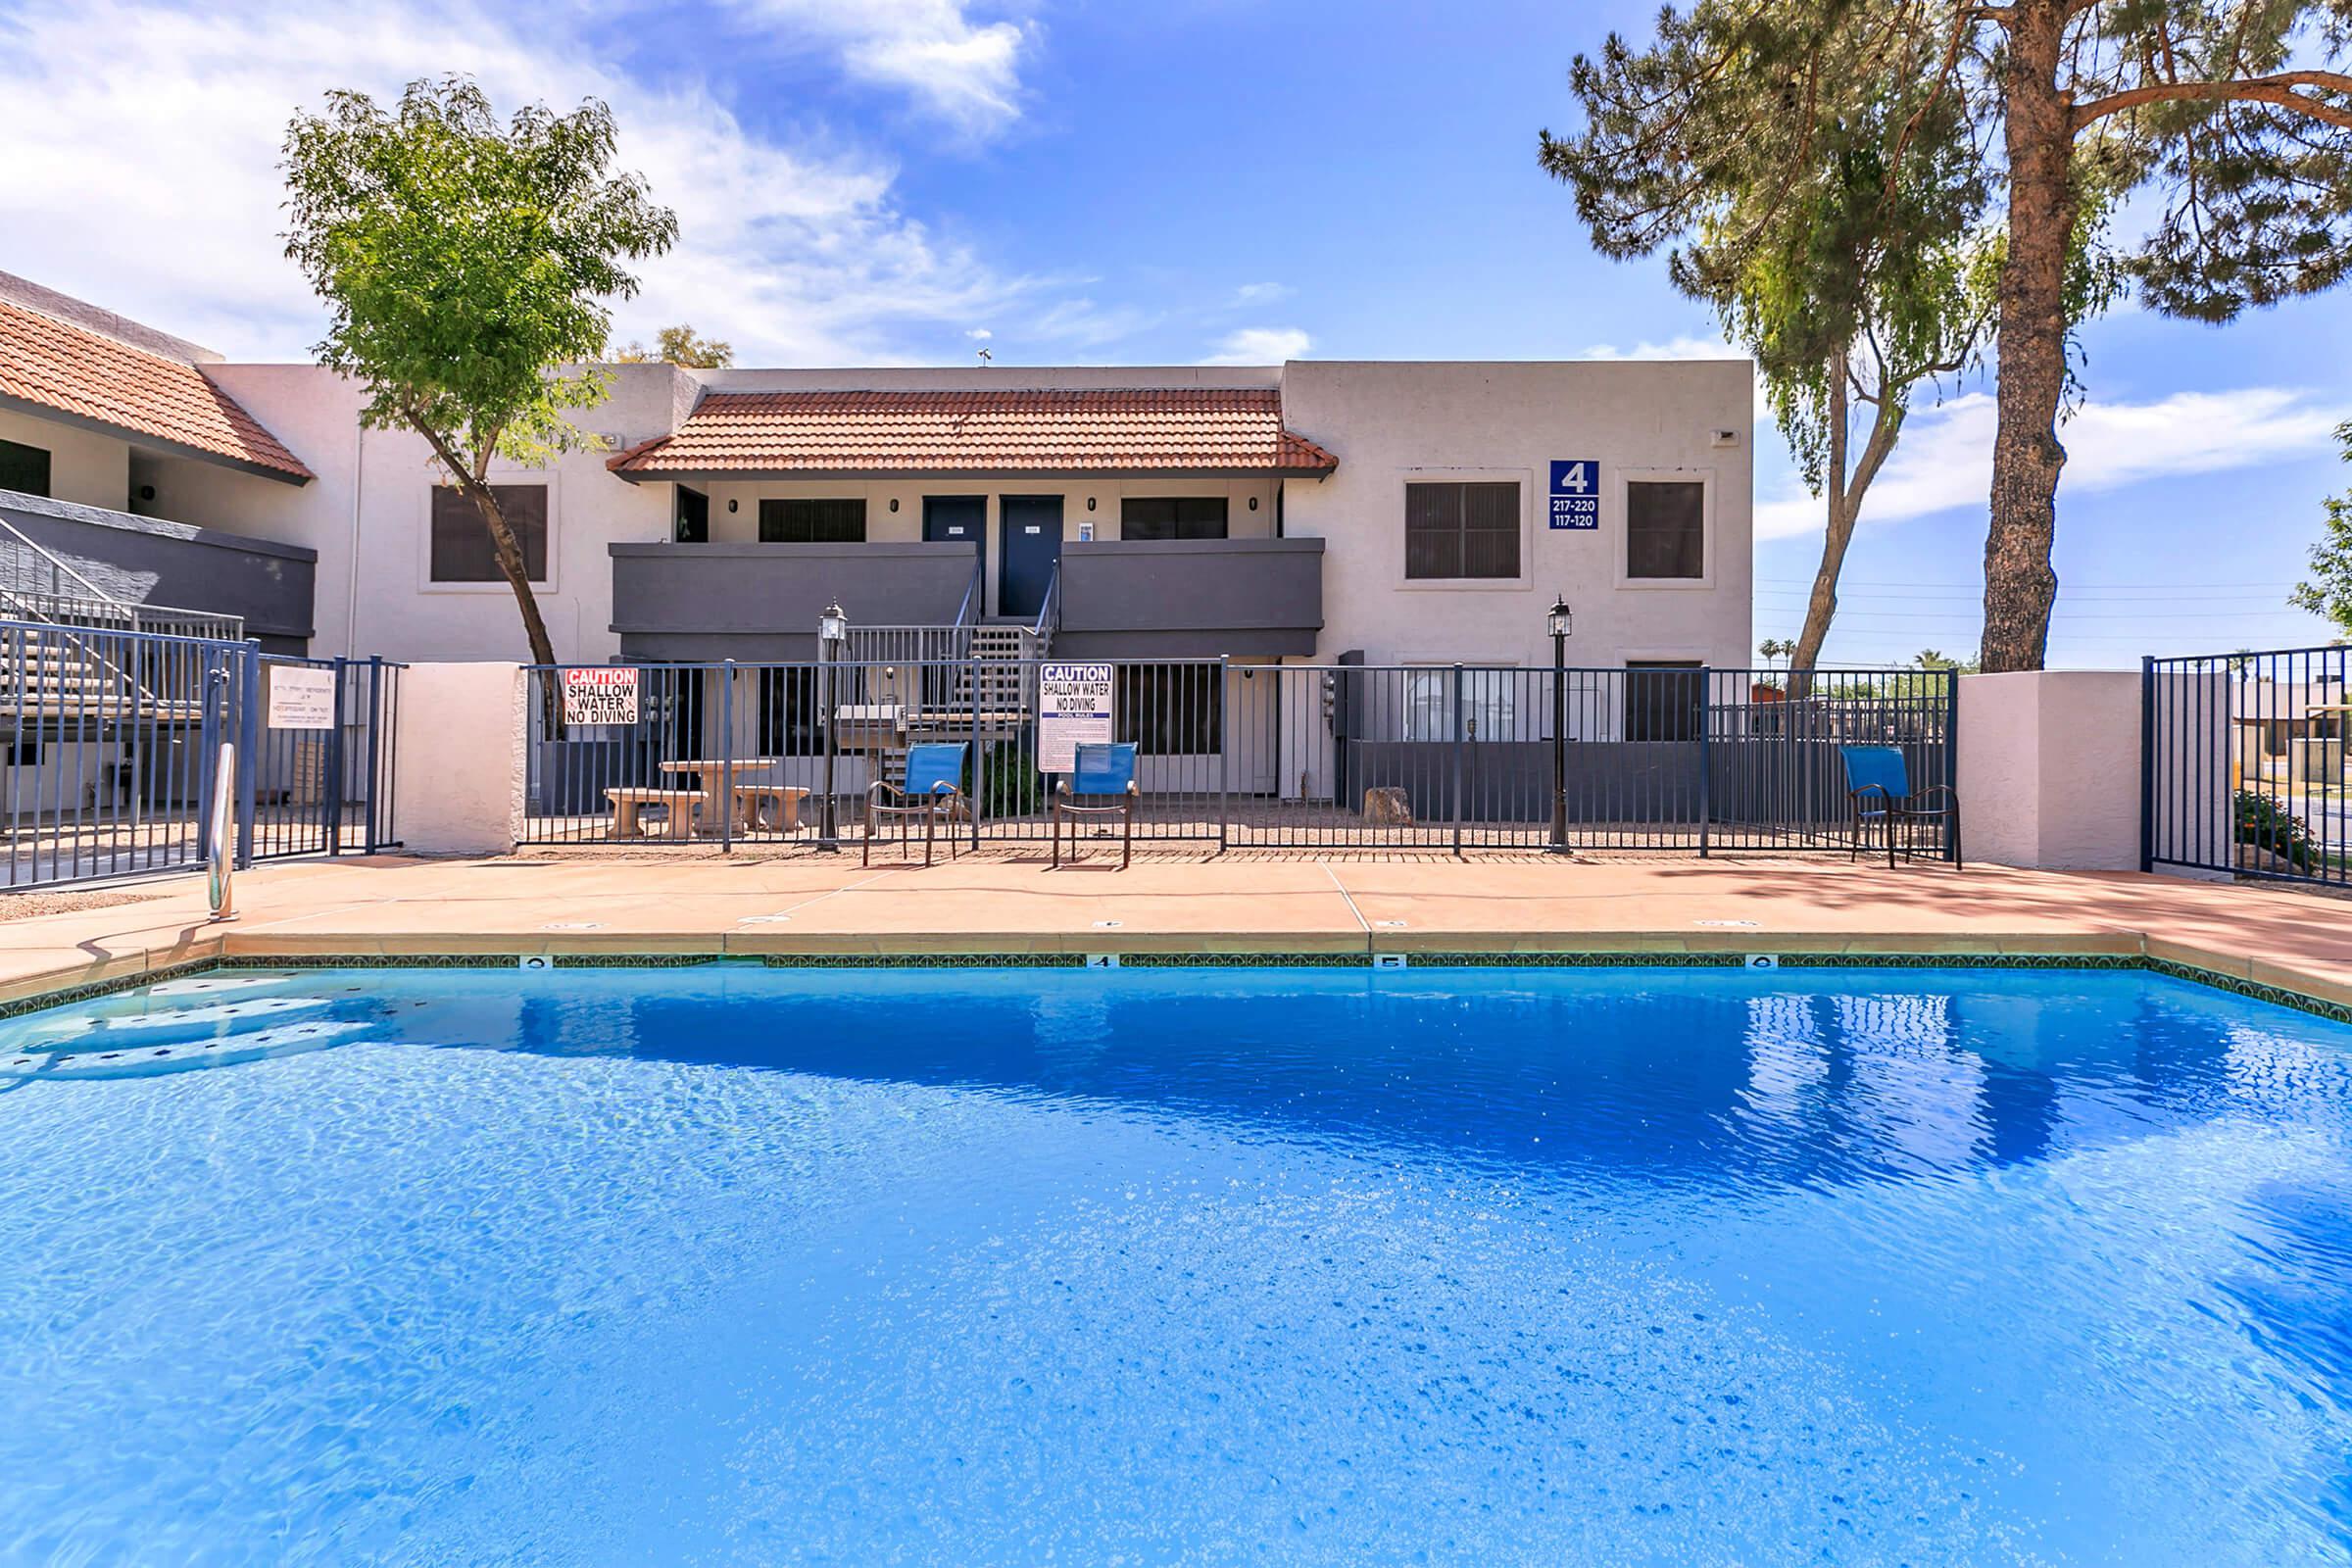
(1666, 528)
(1462, 529)
(24, 468)
(812, 523)
(460, 544)
(1172, 517)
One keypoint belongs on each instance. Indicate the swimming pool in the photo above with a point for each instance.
(730, 1264)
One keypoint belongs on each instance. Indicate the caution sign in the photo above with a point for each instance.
(607, 695)
(1073, 708)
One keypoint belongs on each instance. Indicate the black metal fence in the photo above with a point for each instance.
(2244, 764)
(113, 740)
(1234, 755)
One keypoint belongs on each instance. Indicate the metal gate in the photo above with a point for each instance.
(113, 739)
(2243, 764)
(318, 771)
(1446, 757)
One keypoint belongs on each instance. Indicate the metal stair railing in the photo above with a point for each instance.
(39, 588)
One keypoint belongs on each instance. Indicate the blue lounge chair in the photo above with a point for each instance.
(1878, 791)
(1105, 774)
(931, 789)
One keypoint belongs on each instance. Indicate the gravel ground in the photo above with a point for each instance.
(33, 906)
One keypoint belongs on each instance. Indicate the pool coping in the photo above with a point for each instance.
(2238, 976)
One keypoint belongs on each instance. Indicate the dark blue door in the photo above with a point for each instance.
(1031, 547)
(957, 518)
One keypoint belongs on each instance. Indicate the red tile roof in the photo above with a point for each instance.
(1189, 429)
(53, 365)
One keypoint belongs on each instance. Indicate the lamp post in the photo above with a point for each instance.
(832, 631)
(1559, 622)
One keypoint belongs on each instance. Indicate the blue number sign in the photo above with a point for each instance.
(1575, 493)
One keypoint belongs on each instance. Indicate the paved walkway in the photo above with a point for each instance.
(995, 903)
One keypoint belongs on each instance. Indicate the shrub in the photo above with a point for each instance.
(2265, 824)
(1014, 787)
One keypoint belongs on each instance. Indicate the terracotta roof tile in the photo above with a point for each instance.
(1192, 429)
(55, 364)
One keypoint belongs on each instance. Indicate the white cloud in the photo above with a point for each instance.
(1945, 461)
(1674, 348)
(966, 71)
(1249, 296)
(148, 181)
(1260, 345)
(979, 335)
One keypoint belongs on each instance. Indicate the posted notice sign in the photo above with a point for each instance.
(1575, 493)
(1073, 708)
(301, 699)
(607, 695)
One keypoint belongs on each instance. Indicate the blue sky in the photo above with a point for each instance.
(883, 180)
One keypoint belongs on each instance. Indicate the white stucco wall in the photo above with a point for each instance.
(85, 468)
(458, 775)
(1392, 422)
(2049, 769)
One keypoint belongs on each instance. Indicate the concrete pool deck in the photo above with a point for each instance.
(1013, 904)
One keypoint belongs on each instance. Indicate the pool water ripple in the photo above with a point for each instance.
(729, 1265)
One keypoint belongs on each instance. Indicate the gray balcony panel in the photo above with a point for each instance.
(149, 561)
(1186, 596)
(761, 601)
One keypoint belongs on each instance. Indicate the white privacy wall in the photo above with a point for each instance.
(2049, 769)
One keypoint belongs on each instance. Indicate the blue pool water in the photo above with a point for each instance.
(729, 1265)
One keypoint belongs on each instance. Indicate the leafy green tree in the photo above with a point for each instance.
(678, 345)
(2327, 591)
(2234, 116)
(465, 264)
(1850, 288)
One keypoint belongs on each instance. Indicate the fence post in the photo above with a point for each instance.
(1706, 756)
(2147, 762)
(1461, 718)
(249, 747)
(375, 752)
(726, 757)
(331, 797)
(1224, 749)
(979, 752)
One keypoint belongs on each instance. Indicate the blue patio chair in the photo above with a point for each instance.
(932, 789)
(1105, 774)
(1878, 792)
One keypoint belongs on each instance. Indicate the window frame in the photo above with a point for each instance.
(48, 463)
(428, 583)
(1206, 704)
(1223, 504)
(865, 522)
(1637, 665)
(1524, 479)
(1705, 479)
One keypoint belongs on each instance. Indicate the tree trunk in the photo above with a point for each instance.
(505, 549)
(1844, 493)
(2020, 585)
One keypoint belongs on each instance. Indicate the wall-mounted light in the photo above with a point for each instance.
(1090, 502)
(1254, 503)
(893, 503)
(146, 492)
(733, 504)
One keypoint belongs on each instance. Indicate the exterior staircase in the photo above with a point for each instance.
(67, 667)
(1003, 667)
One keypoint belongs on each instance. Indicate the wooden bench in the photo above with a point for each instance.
(756, 804)
(628, 803)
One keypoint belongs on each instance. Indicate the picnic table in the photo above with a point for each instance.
(717, 776)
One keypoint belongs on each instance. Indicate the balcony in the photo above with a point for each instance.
(757, 602)
(59, 560)
(1176, 599)
(1180, 598)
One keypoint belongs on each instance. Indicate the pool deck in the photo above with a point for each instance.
(1014, 904)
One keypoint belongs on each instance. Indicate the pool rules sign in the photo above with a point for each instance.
(1073, 708)
(604, 695)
